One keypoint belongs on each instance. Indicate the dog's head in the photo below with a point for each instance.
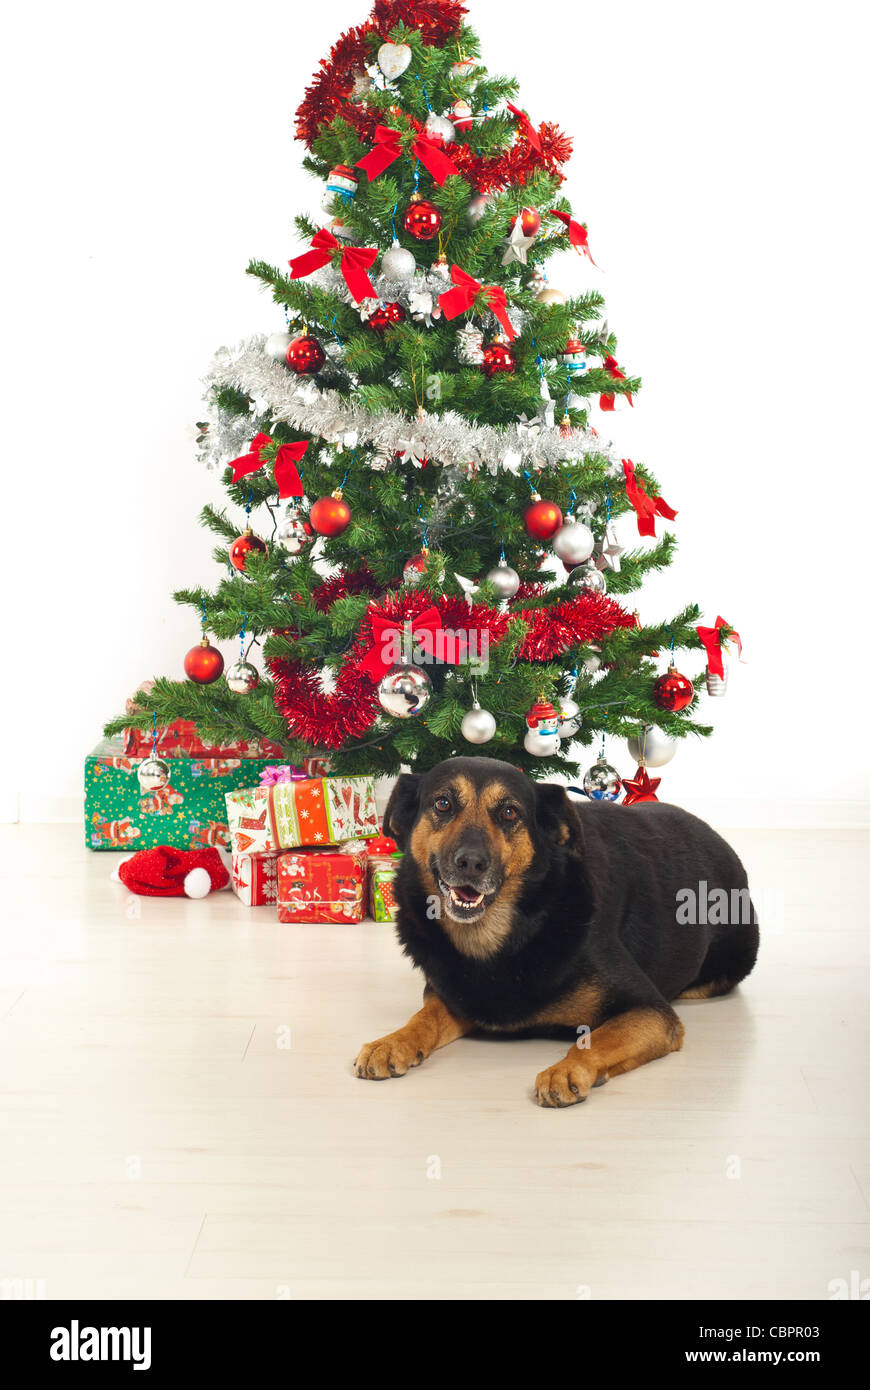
(479, 832)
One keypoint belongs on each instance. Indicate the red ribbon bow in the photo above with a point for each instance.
(388, 148)
(429, 637)
(712, 640)
(287, 477)
(355, 261)
(647, 507)
(464, 292)
(611, 366)
(576, 233)
(526, 127)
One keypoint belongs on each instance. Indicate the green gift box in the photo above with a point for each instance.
(382, 897)
(188, 813)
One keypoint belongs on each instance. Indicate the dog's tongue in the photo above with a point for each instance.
(468, 895)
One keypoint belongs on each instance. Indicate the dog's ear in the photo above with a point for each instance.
(402, 808)
(556, 816)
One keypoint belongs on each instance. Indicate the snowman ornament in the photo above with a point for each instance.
(542, 738)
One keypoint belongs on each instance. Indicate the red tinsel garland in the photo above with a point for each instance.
(534, 588)
(320, 719)
(435, 19)
(328, 719)
(587, 618)
(360, 581)
(490, 173)
(330, 92)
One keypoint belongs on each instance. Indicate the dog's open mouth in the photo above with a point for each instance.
(463, 901)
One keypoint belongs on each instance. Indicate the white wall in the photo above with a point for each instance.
(717, 163)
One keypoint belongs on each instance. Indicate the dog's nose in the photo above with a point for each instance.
(472, 857)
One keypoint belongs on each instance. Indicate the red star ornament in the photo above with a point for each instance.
(641, 787)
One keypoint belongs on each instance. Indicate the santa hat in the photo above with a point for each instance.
(164, 872)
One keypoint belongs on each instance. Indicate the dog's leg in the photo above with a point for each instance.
(434, 1026)
(621, 1044)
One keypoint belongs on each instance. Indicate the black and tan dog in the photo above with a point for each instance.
(530, 915)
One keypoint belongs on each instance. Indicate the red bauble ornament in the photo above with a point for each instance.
(413, 569)
(204, 663)
(497, 357)
(640, 787)
(673, 691)
(385, 315)
(542, 519)
(305, 355)
(530, 221)
(330, 515)
(421, 219)
(243, 545)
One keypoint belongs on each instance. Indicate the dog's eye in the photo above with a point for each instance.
(510, 814)
(442, 804)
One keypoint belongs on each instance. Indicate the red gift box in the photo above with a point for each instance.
(321, 886)
(255, 878)
(181, 740)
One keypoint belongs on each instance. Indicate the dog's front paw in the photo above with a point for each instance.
(390, 1056)
(566, 1083)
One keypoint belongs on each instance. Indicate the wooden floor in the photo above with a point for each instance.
(162, 1140)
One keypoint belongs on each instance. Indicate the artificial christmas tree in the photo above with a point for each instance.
(426, 557)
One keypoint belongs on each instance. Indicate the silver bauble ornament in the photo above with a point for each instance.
(478, 725)
(550, 296)
(540, 745)
(405, 691)
(601, 782)
(153, 774)
(716, 685)
(242, 677)
(380, 462)
(588, 577)
(570, 718)
(440, 125)
(537, 280)
(291, 532)
(477, 207)
(277, 345)
(504, 580)
(652, 747)
(394, 58)
(397, 263)
(573, 542)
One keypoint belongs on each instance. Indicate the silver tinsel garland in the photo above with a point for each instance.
(321, 411)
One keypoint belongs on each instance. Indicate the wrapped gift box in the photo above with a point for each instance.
(318, 811)
(188, 813)
(181, 740)
(321, 886)
(255, 878)
(382, 898)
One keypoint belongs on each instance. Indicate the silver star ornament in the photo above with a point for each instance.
(516, 245)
